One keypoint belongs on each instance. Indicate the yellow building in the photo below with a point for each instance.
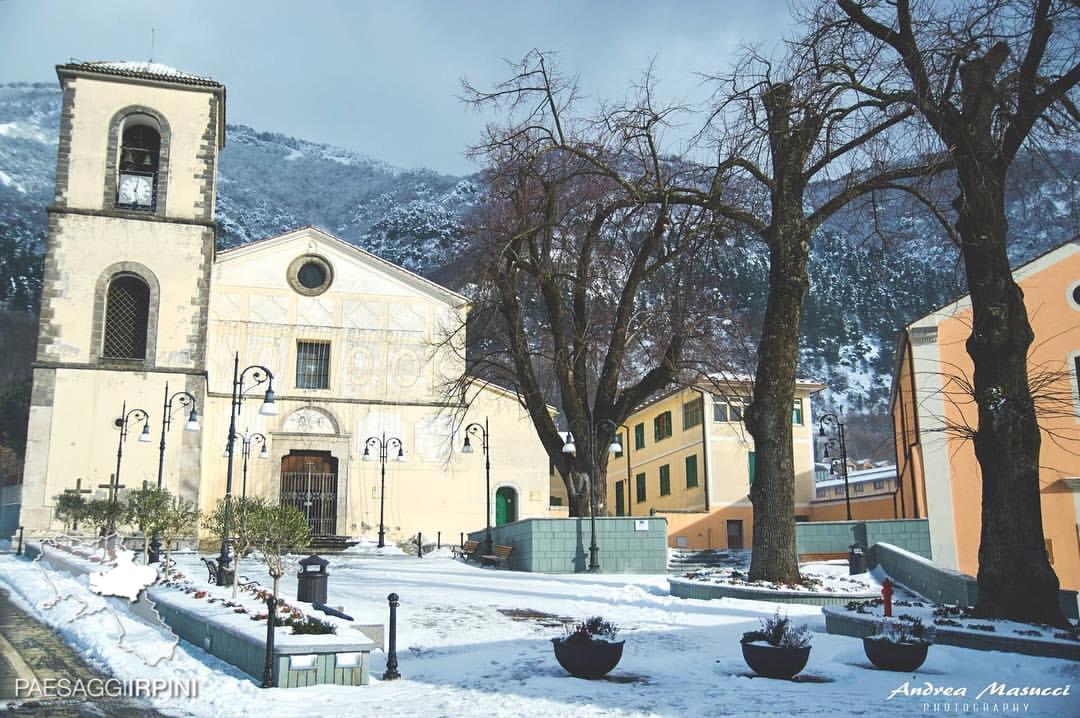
(691, 458)
(873, 493)
(136, 298)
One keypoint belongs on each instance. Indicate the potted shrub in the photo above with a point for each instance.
(589, 650)
(898, 645)
(777, 649)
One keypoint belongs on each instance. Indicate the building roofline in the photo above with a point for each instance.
(1067, 247)
(814, 386)
(183, 81)
(391, 268)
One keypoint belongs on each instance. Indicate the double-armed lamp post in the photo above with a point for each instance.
(570, 448)
(184, 399)
(246, 442)
(123, 422)
(482, 431)
(837, 443)
(259, 375)
(383, 444)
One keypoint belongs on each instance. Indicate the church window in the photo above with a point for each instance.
(140, 151)
(310, 275)
(127, 311)
(312, 365)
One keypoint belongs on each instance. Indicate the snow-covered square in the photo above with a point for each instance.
(476, 642)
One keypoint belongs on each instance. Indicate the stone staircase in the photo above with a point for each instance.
(330, 544)
(683, 560)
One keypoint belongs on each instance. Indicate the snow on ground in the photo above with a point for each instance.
(818, 577)
(460, 656)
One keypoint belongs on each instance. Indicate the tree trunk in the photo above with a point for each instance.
(577, 499)
(236, 574)
(768, 418)
(1015, 578)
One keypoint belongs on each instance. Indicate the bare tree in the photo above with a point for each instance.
(987, 77)
(780, 128)
(588, 251)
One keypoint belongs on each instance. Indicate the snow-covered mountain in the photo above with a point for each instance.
(861, 292)
(267, 183)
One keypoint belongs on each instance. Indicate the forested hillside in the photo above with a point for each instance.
(871, 273)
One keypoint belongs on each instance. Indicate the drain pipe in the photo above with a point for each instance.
(705, 450)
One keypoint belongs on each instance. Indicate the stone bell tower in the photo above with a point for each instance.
(127, 277)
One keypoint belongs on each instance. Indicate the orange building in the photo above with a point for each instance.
(932, 409)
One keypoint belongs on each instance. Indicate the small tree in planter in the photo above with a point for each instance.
(147, 508)
(70, 508)
(180, 519)
(589, 649)
(275, 531)
(778, 649)
(242, 524)
(106, 515)
(899, 645)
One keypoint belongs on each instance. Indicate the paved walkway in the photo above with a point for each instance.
(29, 649)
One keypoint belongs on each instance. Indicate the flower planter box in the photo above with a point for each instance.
(775, 661)
(586, 658)
(891, 656)
(298, 660)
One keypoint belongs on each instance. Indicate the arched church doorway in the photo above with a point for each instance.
(309, 484)
(505, 506)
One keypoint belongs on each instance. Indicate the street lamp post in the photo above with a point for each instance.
(184, 399)
(616, 448)
(483, 432)
(382, 443)
(246, 442)
(570, 448)
(122, 423)
(259, 374)
(837, 443)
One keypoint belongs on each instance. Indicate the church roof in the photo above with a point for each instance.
(141, 70)
(310, 231)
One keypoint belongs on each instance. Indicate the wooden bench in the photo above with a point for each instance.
(501, 556)
(466, 551)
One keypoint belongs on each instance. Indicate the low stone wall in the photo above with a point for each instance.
(323, 657)
(840, 621)
(546, 545)
(823, 538)
(683, 588)
(10, 498)
(938, 584)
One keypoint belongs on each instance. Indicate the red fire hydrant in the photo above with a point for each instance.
(886, 593)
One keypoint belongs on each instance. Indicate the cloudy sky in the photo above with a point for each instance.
(382, 78)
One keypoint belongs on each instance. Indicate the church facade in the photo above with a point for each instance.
(141, 314)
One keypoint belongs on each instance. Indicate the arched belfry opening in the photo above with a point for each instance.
(138, 163)
(127, 313)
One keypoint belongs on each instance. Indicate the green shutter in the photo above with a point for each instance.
(691, 471)
(665, 480)
(751, 464)
(639, 480)
(639, 436)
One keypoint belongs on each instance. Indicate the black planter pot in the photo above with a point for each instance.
(890, 656)
(775, 661)
(587, 658)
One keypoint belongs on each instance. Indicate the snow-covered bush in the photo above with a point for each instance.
(904, 632)
(778, 630)
(592, 629)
